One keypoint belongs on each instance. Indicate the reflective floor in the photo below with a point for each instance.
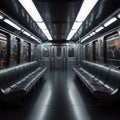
(59, 96)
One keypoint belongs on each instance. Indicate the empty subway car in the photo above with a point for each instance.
(59, 59)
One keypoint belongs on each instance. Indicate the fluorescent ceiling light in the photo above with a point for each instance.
(85, 38)
(46, 31)
(28, 34)
(12, 24)
(31, 9)
(1, 17)
(49, 36)
(33, 12)
(93, 33)
(118, 15)
(99, 29)
(76, 25)
(72, 32)
(42, 26)
(34, 38)
(69, 37)
(112, 20)
(86, 8)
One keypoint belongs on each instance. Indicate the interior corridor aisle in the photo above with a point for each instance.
(59, 96)
(59, 99)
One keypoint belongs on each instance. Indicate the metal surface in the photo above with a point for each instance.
(60, 96)
(58, 57)
(102, 10)
(58, 15)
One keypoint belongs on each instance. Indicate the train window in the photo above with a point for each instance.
(59, 51)
(88, 51)
(24, 52)
(32, 52)
(52, 51)
(38, 52)
(71, 51)
(46, 50)
(113, 49)
(98, 51)
(35, 53)
(3, 51)
(13, 51)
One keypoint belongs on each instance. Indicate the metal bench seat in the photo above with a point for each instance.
(101, 81)
(17, 81)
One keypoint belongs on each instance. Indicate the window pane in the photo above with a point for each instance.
(24, 52)
(71, 51)
(99, 51)
(13, 51)
(3, 51)
(46, 50)
(88, 52)
(59, 51)
(113, 50)
(52, 51)
(32, 52)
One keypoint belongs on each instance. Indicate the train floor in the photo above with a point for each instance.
(59, 96)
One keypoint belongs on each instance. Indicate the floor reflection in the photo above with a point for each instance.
(39, 110)
(60, 97)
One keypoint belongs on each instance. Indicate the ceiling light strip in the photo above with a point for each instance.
(85, 38)
(35, 39)
(31, 9)
(28, 34)
(12, 24)
(86, 8)
(118, 15)
(1, 17)
(33, 12)
(109, 22)
(99, 29)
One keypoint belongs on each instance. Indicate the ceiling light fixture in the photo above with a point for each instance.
(34, 38)
(12, 24)
(1, 17)
(93, 33)
(118, 15)
(109, 22)
(85, 38)
(76, 25)
(99, 29)
(31, 9)
(86, 8)
(28, 34)
(42, 26)
(33, 12)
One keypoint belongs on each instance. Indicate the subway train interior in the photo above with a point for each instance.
(59, 59)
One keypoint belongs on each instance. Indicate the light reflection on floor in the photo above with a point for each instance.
(60, 96)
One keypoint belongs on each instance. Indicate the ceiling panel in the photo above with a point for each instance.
(58, 15)
(101, 11)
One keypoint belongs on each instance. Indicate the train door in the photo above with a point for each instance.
(58, 57)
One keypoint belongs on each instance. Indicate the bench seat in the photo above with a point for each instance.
(101, 81)
(17, 81)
